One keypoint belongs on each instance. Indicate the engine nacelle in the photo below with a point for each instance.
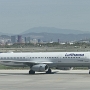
(40, 67)
(64, 68)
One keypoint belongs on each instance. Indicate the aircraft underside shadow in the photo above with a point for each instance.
(43, 73)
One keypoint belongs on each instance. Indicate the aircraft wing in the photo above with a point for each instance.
(28, 62)
(34, 62)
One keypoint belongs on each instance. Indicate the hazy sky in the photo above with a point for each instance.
(20, 15)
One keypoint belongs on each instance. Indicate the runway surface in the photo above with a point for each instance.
(59, 80)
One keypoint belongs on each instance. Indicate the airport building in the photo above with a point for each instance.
(58, 40)
(19, 39)
(27, 39)
(39, 40)
(13, 39)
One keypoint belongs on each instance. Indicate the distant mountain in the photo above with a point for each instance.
(53, 30)
(5, 37)
(56, 36)
(5, 33)
(52, 34)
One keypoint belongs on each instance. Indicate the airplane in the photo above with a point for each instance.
(44, 61)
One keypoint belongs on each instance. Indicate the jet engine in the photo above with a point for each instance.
(39, 68)
(64, 68)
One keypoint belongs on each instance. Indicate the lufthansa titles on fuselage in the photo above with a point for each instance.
(73, 54)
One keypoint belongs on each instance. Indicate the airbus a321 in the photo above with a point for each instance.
(44, 61)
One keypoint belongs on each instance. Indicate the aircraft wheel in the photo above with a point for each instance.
(49, 71)
(31, 72)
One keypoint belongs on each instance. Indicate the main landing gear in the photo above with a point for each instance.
(31, 72)
(49, 71)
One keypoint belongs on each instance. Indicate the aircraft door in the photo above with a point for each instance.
(87, 57)
(59, 59)
(28, 58)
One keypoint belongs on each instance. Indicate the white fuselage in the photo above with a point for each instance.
(53, 59)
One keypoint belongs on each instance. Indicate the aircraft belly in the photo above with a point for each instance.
(70, 65)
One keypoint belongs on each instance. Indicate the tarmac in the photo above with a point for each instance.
(58, 80)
